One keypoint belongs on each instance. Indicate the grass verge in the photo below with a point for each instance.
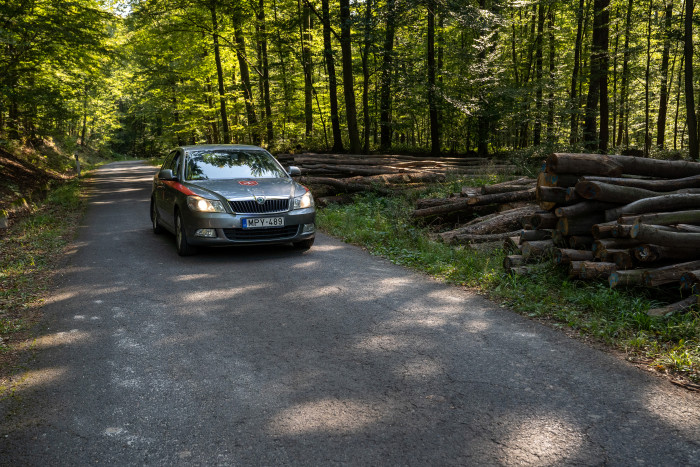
(616, 317)
(30, 250)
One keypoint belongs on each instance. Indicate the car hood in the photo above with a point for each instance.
(247, 188)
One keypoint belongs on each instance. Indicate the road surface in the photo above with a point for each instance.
(270, 356)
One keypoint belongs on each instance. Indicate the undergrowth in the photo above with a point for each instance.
(616, 317)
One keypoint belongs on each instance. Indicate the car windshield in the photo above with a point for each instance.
(228, 164)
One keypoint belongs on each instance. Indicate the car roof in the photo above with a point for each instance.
(214, 147)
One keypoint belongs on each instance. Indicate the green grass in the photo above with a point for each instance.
(29, 251)
(616, 317)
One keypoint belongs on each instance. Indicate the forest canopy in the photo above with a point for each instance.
(434, 76)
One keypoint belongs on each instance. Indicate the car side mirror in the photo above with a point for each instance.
(294, 171)
(166, 174)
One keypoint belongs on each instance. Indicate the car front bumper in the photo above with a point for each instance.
(222, 229)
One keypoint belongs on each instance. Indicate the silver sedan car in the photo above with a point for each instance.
(229, 194)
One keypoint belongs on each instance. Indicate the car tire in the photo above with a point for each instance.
(304, 244)
(157, 228)
(181, 243)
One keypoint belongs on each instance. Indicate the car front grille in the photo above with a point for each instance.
(253, 207)
(265, 233)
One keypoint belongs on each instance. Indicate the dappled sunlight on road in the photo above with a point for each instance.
(44, 377)
(192, 277)
(74, 336)
(679, 415)
(383, 343)
(548, 439)
(213, 294)
(328, 416)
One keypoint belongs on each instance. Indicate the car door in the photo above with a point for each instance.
(165, 193)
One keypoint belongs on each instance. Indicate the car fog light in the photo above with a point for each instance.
(208, 233)
(308, 228)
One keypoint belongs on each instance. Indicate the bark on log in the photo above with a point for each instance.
(690, 280)
(532, 235)
(621, 230)
(561, 180)
(551, 194)
(654, 185)
(663, 218)
(512, 245)
(603, 230)
(668, 274)
(432, 202)
(567, 255)
(543, 182)
(659, 236)
(575, 268)
(614, 166)
(414, 177)
(596, 270)
(624, 258)
(673, 308)
(603, 244)
(505, 221)
(579, 225)
(662, 203)
(537, 249)
(544, 220)
(606, 192)
(338, 199)
(502, 198)
(583, 208)
(511, 261)
(515, 185)
(526, 269)
(342, 186)
(650, 253)
(628, 278)
(688, 228)
(468, 238)
(560, 241)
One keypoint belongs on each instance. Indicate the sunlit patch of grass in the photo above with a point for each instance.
(616, 317)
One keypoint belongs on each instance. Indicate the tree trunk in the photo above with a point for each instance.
(658, 204)
(266, 73)
(573, 96)
(597, 88)
(552, 75)
(246, 88)
(625, 77)
(306, 64)
(332, 83)
(537, 129)
(365, 76)
(647, 75)
(220, 75)
(689, 89)
(614, 165)
(663, 93)
(348, 80)
(387, 68)
(668, 274)
(432, 98)
(659, 236)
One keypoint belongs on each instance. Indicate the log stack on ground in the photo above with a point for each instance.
(633, 221)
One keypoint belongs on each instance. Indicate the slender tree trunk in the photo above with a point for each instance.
(550, 83)
(365, 76)
(537, 130)
(663, 93)
(306, 62)
(574, 97)
(604, 135)
(647, 75)
(432, 98)
(219, 74)
(265, 73)
(598, 48)
(332, 83)
(625, 78)
(348, 80)
(246, 88)
(387, 68)
(691, 118)
(84, 129)
(212, 119)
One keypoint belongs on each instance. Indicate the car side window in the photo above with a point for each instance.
(175, 164)
(168, 160)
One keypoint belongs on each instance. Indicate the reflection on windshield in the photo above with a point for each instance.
(218, 165)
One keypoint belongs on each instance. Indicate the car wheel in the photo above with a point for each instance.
(304, 244)
(157, 229)
(183, 247)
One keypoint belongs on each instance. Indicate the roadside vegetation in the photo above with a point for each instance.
(592, 311)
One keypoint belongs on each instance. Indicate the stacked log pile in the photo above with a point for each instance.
(630, 220)
(337, 176)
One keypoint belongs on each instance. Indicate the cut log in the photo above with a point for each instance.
(526, 269)
(688, 228)
(578, 225)
(668, 274)
(432, 202)
(342, 186)
(614, 166)
(561, 180)
(505, 187)
(597, 270)
(511, 261)
(659, 236)
(622, 257)
(551, 194)
(664, 218)
(628, 278)
(603, 244)
(560, 241)
(673, 308)
(654, 185)
(603, 230)
(621, 230)
(575, 268)
(567, 255)
(470, 238)
(690, 280)
(511, 245)
(544, 220)
(606, 192)
(537, 249)
(650, 253)
(543, 182)
(502, 198)
(664, 203)
(506, 221)
(338, 199)
(583, 208)
(532, 235)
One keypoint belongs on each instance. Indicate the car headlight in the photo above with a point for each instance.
(304, 201)
(199, 204)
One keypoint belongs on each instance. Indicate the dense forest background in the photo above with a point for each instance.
(434, 76)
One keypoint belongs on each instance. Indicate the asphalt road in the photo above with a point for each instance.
(269, 356)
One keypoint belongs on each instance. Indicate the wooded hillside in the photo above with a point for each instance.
(438, 76)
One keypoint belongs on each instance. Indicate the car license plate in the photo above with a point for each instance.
(257, 222)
